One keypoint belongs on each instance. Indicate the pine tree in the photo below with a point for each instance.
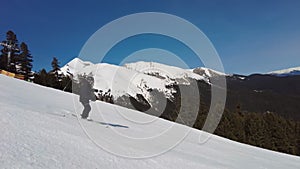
(41, 78)
(55, 65)
(6, 62)
(55, 76)
(25, 61)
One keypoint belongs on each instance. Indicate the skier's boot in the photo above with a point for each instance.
(84, 116)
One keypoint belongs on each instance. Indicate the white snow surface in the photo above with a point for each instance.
(286, 72)
(39, 131)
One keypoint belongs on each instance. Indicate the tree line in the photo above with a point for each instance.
(16, 58)
(267, 130)
(53, 78)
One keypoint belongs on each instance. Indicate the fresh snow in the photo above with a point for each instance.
(38, 130)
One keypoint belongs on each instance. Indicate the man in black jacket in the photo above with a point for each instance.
(86, 93)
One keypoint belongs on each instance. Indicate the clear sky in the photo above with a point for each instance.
(250, 36)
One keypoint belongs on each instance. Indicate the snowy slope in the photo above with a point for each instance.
(38, 130)
(287, 72)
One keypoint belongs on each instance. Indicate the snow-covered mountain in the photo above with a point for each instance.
(137, 78)
(170, 74)
(74, 64)
(208, 73)
(120, 80)
(286, 72)
(39, 130)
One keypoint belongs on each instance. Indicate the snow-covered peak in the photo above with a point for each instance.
(74, 65)
(286, 72)
(207, 73)
(170, 74)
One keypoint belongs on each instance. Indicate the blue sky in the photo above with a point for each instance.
(250, 36)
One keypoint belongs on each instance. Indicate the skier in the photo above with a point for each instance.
(86, 93)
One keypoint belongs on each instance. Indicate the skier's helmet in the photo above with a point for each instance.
(90, 79)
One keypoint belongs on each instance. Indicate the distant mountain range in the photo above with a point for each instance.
(287, 72)
(277, 91)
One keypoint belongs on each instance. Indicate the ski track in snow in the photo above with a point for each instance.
(38, 130)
